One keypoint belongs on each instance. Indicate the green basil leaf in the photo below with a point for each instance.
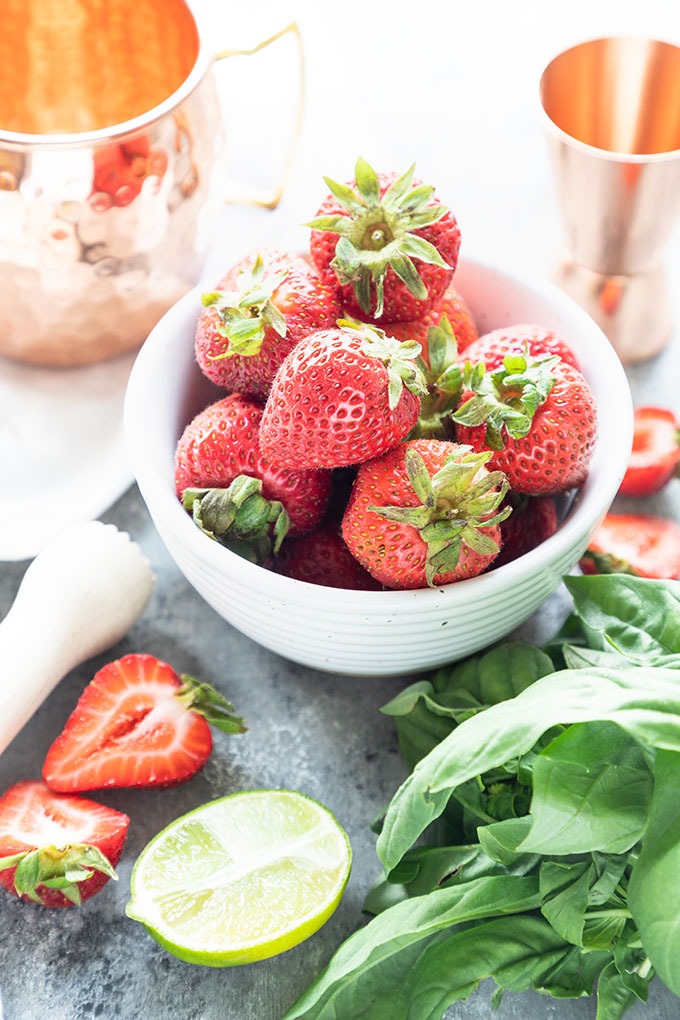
(654, 888)
(591, 791)
(367, 967)
(651, 714)
(637, 617)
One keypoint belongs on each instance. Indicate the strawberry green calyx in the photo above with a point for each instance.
(400, 359)
(444, 379)
(508, 397)
(245, 313)
(377, 233)
(604, 563)
(240, 518)
(455, 505)
(200, 697)
(62, 868)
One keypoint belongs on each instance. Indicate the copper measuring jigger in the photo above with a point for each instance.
(612, 108)
(113, 170)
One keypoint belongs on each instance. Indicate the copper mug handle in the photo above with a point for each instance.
(250, 194)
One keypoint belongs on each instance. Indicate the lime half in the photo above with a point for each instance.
(241, 878)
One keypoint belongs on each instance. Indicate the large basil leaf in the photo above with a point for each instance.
(654, 889)
(591, 791)
(518, 953)
(364, 971)
(637, 617)
(650, 712)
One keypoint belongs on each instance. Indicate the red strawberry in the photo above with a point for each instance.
(57, 850)
(259, 311)
(655, 457)
(321, 557)
(425, 514)
(538, 415)
(450, 306)
(391, 244)
(491, 348)
(222, 446)
(532, 521)
(341, 397)
(137, 723)
(634, 544)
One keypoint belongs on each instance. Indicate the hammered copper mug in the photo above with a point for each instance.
(113, 171)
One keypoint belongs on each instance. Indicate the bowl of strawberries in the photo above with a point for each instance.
(376, 457)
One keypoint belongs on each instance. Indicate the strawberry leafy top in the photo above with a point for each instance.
(61, 868)
(399, 358)
(380, 232)
(444, 379)
(455, 504)
(245, 313)
(240, 518)
(508, 397)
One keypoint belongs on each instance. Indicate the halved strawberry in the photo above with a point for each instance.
(639, 544)
(137, 723)
(57, 850)
(655, 457)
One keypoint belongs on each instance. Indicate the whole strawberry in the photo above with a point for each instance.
(452, 307)
(57, 850)
(388, 241)
(321, 557)
(236, 494)
(536, 415)
(342, 396)
(426, 513)
(493, 347)
(533, 520)
(258, 312)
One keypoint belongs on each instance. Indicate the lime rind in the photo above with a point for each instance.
(242, 878)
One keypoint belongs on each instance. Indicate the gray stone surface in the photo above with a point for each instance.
(308, 731)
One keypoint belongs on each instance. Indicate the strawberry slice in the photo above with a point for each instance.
(137, 723)
(634, 544)
(655, 457)
(55, 849)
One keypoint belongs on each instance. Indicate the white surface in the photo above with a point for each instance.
(452, 87)
(367, 633)
(63, 457)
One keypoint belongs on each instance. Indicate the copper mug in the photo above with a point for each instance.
(612, 116)
(113, 171)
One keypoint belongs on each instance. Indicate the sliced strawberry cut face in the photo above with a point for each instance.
(655, 457)
(646, 546)
(135, 725)
(57, 849)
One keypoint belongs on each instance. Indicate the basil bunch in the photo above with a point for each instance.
(536, 840)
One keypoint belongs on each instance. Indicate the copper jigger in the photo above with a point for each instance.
(612, 108)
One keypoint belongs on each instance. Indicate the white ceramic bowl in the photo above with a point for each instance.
(369, 633)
